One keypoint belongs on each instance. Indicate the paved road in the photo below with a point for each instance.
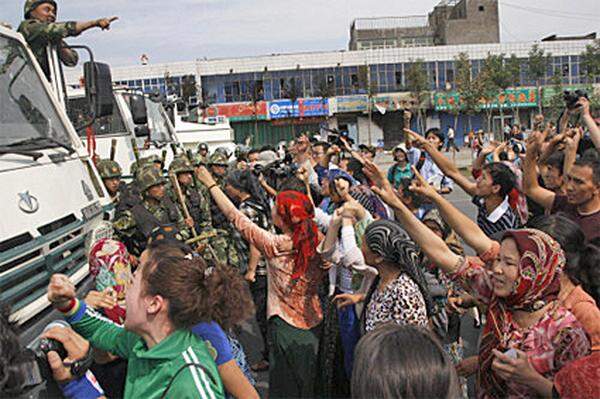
(250, 335)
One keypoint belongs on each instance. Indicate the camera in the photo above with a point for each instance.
(335, 136)
(572, 97)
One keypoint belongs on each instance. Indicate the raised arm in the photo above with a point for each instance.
(432, 245)
(458, 221)
(571, 145)
(445, 164)
(266, 242)
(531, 187)
(590, 122)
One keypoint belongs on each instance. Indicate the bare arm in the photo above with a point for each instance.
(253, 259)
(531, 186)
(432, 245)
(235, 382)
(270, 190)
(589, 122)
(458, 221)
(445, 164)
(571, 144)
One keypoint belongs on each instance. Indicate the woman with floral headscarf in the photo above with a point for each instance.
(294, 273)
(527, 330)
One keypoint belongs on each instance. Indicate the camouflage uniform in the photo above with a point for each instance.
(125, 197)
(39, 35)
(137, 225)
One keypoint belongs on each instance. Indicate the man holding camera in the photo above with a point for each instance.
(41, 31)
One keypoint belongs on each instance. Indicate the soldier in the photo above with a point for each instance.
(156, 212)
(203, 149)
(119, 192)
(41, 30)
(196, 202)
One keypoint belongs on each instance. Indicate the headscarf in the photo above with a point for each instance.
(516, 198)
(387, 239)
(369, 200)
(297, 211)
(538, 283)
(110, 266)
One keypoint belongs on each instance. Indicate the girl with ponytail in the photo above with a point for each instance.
(294, 273)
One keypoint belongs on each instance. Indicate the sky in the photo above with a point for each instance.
(185, 30)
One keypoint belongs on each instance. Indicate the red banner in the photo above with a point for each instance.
(242, 111)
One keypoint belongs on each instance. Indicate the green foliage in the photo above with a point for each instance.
(537, 63)
(416, 80)
(512, 66)
(556, 104)
(469, 90)
(590, 61)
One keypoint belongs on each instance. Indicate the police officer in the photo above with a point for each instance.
(155, 213)
(40, 30)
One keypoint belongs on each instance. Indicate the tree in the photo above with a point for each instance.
(590, 61)
(370, 88)
(557, 102)
(325, 90)
(512, 66)
(469, 90)
(418, 85)
(537, 65)
(292, 91)
(256, 95)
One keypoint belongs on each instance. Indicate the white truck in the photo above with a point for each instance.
(214, 131)
(52, 197)
(136, 120)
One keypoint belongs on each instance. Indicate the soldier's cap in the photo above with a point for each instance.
(217, 159)
(202, 146)
(148, 177)
(199, 159)
(31, 5)
(181, 165)
(109, 169)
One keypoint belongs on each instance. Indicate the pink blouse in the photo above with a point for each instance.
(296, 302)
(552, 342)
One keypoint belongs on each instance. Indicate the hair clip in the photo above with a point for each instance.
(189, 256)
(209, 270)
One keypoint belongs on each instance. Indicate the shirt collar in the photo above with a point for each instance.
(500, 210)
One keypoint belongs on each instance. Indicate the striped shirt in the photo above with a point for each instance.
(500, 219)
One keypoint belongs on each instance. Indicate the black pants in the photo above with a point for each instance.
(258, 289)
(452, 144)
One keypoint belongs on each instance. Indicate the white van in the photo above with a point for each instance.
(51, 196)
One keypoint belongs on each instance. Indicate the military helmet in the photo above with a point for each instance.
(31, 5)
(199, 160)
(241, 150)
(202, 146)
(151, 159)
(218, 159)
(181, 165)
(147, 177)
(224, 151)
(108, 169)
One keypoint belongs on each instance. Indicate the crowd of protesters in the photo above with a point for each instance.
(358, 277)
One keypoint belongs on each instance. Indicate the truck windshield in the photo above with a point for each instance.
(160, 130)
(79, 109)
(27, 113)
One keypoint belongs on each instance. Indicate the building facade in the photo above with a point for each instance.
(362, 91)
(450, 22)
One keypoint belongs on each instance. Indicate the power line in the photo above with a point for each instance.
(554, 13)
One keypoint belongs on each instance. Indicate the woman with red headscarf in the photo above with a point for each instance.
(294, 272)
(528, 331)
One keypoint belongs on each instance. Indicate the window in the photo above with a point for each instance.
(354, 80)
(398, 76)
(481, 8)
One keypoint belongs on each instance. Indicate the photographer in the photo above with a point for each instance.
(23, 372)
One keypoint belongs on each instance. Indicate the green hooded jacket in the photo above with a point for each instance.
(181, 359)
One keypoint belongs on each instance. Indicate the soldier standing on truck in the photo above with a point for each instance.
(41, 30)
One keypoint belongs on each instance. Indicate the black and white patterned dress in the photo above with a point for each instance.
(400, 302)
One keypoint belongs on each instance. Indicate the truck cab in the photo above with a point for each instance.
(52, 198)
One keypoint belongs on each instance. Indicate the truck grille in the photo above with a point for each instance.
(27, 263)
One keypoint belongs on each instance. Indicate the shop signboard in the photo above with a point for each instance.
(358, 103)
(303, 107)
(237, 112)
(511, 98)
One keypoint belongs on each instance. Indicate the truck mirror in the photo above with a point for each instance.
(98, 88)
(137, 104)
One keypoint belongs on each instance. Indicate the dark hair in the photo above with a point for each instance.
(503, 176)
(12, 356)
(197, 292)
(292, 183)
(254, 151)
(404, 187)
(247, 182)
(355, 168)
(581, 258)
(396, 361)
(591, 159)
(323, 144)
(556, 161)
(436, 132)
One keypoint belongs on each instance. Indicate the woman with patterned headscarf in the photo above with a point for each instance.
(399, 293)
(294, 273)
(527, 332)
